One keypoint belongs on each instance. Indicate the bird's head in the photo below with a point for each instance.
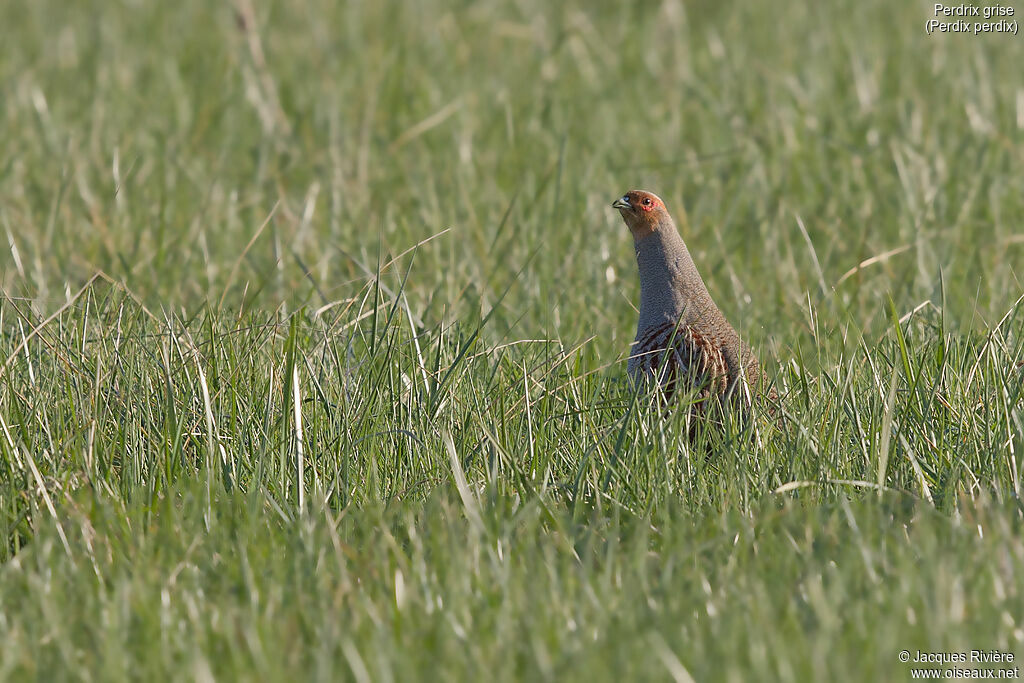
(643, 212)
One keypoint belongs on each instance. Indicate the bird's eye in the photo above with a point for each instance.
(647, 201)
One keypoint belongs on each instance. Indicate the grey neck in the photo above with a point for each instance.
(670, 286)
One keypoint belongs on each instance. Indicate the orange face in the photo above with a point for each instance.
(642, 212)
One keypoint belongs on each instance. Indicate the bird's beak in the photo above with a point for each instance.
(621, 203)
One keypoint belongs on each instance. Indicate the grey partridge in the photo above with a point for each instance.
(682, 340)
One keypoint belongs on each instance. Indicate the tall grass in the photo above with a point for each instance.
(314, 315)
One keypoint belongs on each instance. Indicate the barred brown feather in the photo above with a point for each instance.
(679, 358)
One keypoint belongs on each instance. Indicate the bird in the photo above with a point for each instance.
(683, 341)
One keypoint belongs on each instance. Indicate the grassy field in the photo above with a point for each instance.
(314, 318)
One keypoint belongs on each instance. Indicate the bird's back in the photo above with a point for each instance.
(683, 340)
(703, 355)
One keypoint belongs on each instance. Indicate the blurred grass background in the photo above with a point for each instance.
(240, 401)
(152, 141)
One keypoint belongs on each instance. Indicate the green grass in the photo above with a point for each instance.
(314, 319)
